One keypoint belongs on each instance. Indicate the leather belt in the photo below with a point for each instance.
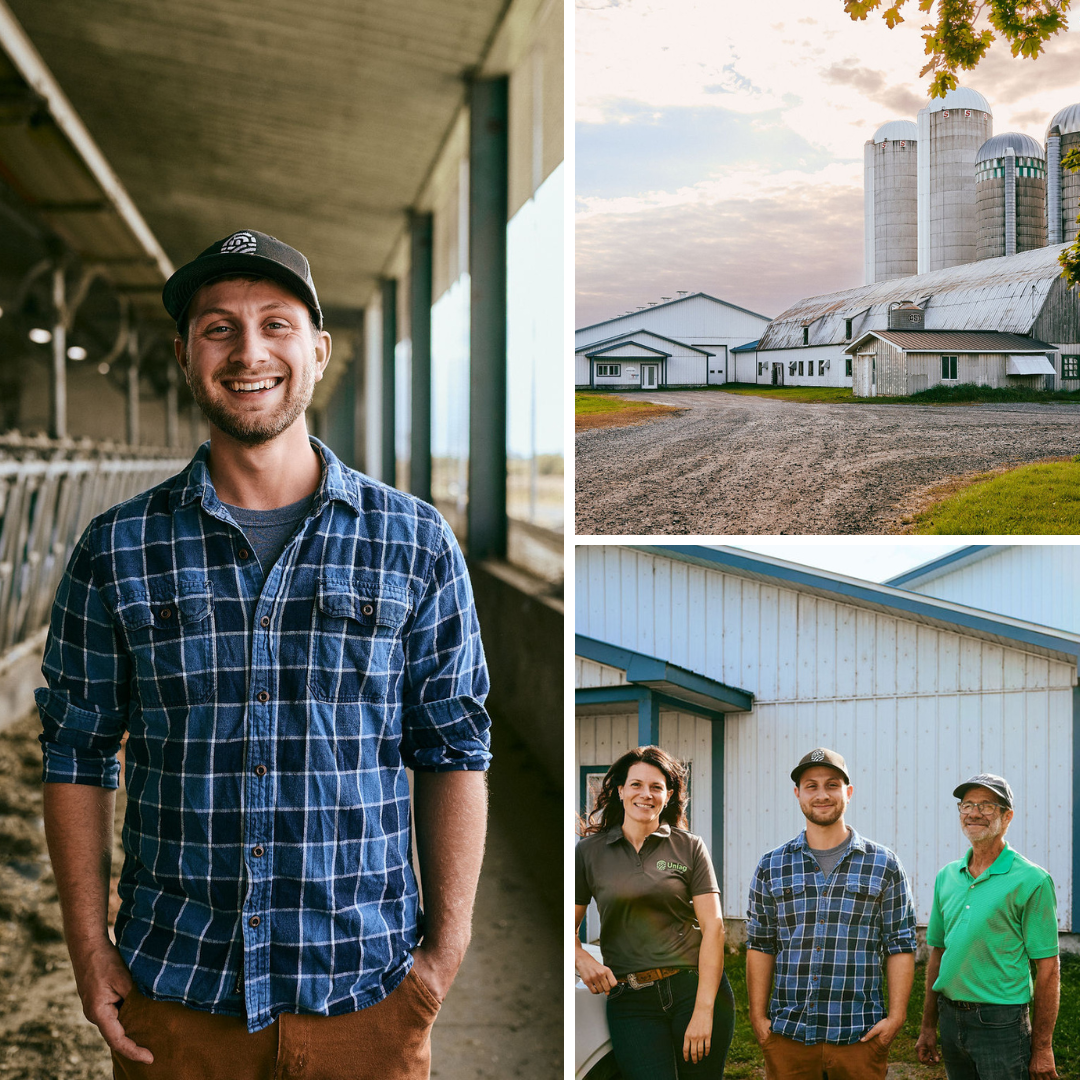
(967, 1006)
(638, 979)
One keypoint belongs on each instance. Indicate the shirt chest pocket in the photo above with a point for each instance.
(171, 638)
(790, 897)
(861, 899)
(356, 650)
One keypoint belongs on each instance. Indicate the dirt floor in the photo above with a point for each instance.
(503, 1017)
(744, 465)
(624, 417)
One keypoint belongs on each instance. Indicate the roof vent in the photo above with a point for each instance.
(683, 292)
(906, 316)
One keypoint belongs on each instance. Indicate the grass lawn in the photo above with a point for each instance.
(591, 404)
(1033, 499)
(745, 1060)
(830, 394)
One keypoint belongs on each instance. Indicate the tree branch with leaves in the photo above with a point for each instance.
(964, 30)
(1070, 257)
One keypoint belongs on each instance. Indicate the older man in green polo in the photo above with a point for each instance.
(994, 912)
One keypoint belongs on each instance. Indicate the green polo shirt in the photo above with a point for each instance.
(990, 927)
(645, 897)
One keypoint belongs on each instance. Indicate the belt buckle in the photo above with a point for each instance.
(632, 979)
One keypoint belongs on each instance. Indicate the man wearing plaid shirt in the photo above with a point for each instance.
(280, 638)
(828, 910)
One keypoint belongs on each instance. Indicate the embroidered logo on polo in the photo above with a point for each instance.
(666, 864)
(818, 755)
(241, 243)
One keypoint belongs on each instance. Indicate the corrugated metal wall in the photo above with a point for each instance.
(1040, 583)
(913, 708)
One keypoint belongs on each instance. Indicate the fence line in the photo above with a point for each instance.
(49, 491)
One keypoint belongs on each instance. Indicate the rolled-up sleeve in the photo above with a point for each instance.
(84, 707)
(897, 912)
(444, 724)
(761, 914)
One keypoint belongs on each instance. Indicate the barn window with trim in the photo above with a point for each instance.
(806, 335)
(948, 369)
(800, 367)
(609, 369)
(847, 328)
(1070, 367)
(847, 368)
(821, 367)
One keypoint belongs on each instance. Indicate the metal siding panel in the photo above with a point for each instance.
(1014, 670)
(613, 602)
(845, 650)
(748, 630)
(663, 599)
(678, 646)
(787, 644)
(725, 632)
(1060, 800)
(768, 674)
(906, 779)
(628, 606)
(703, 779)
(948, 662)
(806, 635)
(826, 649)
(885, 662)
(586, 740)
(645, 585)
(993, 661)
(970, 664)
(1033, 796)
(906, 653)
(1038, 671)
(698, 619)
(882, 779)
(865, 635)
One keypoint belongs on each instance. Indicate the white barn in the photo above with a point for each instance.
(684, 342)
(1036, 582)
(739, 663)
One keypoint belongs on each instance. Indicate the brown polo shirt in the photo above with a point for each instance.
(646, 914)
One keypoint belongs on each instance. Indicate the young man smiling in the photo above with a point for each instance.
(824, 909)
(280, 638)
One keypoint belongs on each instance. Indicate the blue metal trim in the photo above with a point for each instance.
(1074, 919)
(934, 565)
(717, 764)
(868, 593)
(604, 695)
(601, 652)
(648, 720)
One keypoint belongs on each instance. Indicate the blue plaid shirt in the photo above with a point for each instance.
(270, 724)
(829, 936)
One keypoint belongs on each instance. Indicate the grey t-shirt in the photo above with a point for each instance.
(646, 916)
(827, 858)
(270, 530)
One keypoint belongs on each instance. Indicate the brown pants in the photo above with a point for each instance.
(387, 1041)
(786, 1059)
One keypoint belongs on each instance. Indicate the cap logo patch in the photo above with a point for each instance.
(241, 243)
(817, 755)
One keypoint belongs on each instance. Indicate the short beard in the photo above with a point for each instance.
(837, 813)
(256, 430)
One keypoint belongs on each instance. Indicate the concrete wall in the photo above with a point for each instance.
(894, 251)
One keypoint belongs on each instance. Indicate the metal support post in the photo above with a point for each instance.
(389, 378)
(488, 204)
(172, 406)
(58, 381)
(420, 288)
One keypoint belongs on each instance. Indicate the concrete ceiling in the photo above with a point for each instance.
(316, 122)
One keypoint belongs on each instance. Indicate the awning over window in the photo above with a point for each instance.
(1028, 365)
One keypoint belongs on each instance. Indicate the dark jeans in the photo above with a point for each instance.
(992, 1042)
(647, 1028)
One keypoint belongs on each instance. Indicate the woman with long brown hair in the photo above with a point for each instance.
(670, 1009)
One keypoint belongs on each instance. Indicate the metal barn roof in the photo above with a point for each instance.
(1004, 294)
(672, 303)
(965, 341)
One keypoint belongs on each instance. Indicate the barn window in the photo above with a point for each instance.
(948, 368)
(847, 368)
(847, 328)
(609, 369)
(821, 367)
(800, 367)
(806, 335)
(1070, 367)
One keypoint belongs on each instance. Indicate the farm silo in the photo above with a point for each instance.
(1010, 195)
(1063, 188)
(951, 130)
(890, 204)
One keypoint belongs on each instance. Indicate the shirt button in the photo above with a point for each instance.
(254, 920)
(260, 770)
(165, 613)
(258, 851)
(243, 553)
(265, 620)
(263, 696)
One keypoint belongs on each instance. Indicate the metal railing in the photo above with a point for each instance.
(49, 491)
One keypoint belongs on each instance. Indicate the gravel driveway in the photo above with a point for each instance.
(740, 464)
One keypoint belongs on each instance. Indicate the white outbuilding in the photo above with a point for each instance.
(682, 342)
(740, 663)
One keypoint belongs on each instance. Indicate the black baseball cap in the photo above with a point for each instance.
(821, 756)
(997, 784)
(244, 252)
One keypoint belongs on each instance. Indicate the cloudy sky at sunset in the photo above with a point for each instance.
(720, 142)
